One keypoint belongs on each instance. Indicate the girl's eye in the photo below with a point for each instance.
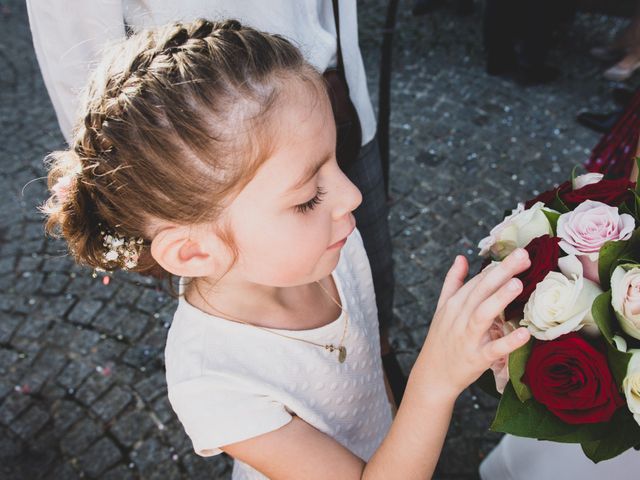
(311, 204)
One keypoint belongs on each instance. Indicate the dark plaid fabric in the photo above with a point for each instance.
(615, 152)
(371, 220)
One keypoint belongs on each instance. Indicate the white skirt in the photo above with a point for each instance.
(518, 458)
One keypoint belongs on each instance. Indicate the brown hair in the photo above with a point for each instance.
(168, 132)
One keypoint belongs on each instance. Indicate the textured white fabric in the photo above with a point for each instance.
(70, 35)
(517, 458)
(228, 382)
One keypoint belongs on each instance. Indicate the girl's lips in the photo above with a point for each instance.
(341, 242)
(337, 244)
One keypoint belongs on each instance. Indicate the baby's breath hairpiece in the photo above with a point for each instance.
(121, 251)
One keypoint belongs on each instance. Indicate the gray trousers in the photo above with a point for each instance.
(372, 222)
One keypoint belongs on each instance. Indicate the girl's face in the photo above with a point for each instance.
(292, 219)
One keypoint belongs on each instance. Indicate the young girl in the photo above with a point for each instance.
(206, 151)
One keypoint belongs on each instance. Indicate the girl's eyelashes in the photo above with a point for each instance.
(311, 204)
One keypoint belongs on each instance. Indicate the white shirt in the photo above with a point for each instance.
(70, 35)
(228, 381)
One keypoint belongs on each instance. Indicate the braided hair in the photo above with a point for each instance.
(169, 129)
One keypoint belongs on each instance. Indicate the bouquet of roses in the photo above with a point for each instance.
(578, 378)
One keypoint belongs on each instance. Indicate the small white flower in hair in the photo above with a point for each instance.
(111, 256)
(124, 250)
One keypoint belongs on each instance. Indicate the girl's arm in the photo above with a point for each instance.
(456, 351)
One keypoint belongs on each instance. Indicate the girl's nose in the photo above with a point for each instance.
(349, 197)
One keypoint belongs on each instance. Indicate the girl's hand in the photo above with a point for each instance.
(458, 349)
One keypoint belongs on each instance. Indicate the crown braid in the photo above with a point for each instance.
(165, 132)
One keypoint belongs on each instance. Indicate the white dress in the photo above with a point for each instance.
(228, 382)
(518, 458)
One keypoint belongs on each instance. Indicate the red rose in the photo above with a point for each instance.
(543, 252)
(572, 379)
(549, 196)
(612, 192)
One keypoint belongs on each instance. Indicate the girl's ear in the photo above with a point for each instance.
(182, 252)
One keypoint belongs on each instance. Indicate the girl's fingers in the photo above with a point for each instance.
(497, 349)
(454, 279)
(494, 305)
(516, 262)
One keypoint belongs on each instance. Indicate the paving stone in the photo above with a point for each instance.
(93, 387)
(165, 470)
(112, 403)
(132, 427)
(30, 422)
(80, 437)
(85, 310)
(148, 455)
(54, 283)
(65, 413)
(151, 300)
(35, 327)
(201, 468)
(141, 355)
(120, 472)
(7, 358)
(64, 471)
(106, 350)
(74, 373)
(8, 326)
(13, 405)
(101, 456)
(152, 386)
(57, 308)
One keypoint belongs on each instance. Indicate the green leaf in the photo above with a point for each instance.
(553, 219)
(603, 315)
(533, 420)
(573, 174)
(622, 434)
(638, 179)
(517, 364)
(558, 204)
(487, 384)
(618, 362)
(636, 194)
(614, 253)
(609, 253)
(624, 208)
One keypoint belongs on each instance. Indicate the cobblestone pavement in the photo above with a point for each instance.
(82, 390)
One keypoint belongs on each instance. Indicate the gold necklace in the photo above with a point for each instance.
(341, 349)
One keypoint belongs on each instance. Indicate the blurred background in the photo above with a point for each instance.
(484, 107)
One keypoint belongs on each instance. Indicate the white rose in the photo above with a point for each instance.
(562, 302)
(625, 298)
(586, 179)
(516, 230)
(631, 386)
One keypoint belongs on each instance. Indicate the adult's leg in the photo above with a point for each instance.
(372, 222)
(500, 25)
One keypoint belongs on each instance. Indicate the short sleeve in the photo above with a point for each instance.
(214, 414)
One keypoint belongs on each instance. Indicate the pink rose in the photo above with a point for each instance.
(500, 367)
(586, 229)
